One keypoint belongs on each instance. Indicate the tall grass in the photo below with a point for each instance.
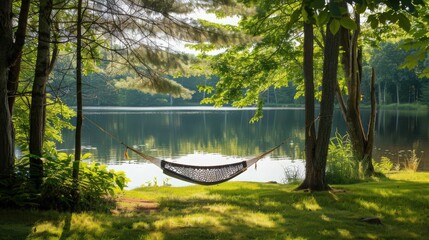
(341, 167)
(411, 162)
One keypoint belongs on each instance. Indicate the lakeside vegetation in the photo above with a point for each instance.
(110, 53)
(243, 210)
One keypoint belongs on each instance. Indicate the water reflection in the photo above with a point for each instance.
(181, 133)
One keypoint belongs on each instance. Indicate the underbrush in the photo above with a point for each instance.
(341, 168)
(97, 185)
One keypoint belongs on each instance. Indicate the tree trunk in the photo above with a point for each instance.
(38, 94)
(12, 84)
(79, 116)
(352, 64)
(6, 136)
(317, 146)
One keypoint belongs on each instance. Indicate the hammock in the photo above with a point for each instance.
(204, 175)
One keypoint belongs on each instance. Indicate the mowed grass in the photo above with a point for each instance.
(241, 210)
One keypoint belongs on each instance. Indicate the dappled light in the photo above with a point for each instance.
(240, 210)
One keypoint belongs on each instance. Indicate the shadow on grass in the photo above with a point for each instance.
(245, 211)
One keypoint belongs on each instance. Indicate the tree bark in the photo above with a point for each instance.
(12, 84)
(6, 136)
(317, 145)
(79, 116)
(38, 94)
(310, 129)
(352, 66)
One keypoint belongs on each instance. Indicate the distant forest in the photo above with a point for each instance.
(394, 84)
(99, 90)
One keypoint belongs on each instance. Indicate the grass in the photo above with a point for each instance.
(241, 210)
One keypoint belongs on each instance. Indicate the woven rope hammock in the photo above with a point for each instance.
(204, 175)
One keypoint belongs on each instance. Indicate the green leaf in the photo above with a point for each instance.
(374, 23)
(304, 15)
(404, 22)
(334, 26)
(348, 23)
(323, 18)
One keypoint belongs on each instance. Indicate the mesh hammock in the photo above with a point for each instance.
(204, 175)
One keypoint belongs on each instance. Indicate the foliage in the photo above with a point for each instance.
(292, 175)
(341, 167)
(239, 210)
(411, 161)
(17, 191)
(97, 185)
(57, 119)
(402, 85)
(385, 165)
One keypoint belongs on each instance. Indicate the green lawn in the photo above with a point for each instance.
(239, 210)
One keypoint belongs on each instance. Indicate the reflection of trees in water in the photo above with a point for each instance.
(399, 132)
(175, 133)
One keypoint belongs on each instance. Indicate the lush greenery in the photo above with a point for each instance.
(97, 185)
(341, 167)
(237, 210)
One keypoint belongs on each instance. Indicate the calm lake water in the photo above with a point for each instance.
(211, 136)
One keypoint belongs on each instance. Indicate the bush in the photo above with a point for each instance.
(16, 191)
(97, 185)
(411, 162)
(341, 168)
(384, 166)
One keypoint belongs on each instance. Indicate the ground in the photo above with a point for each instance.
(393, 208)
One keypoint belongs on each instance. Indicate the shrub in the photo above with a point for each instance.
(97, 185)
(16, 191)
(411, 161)
(341, 168)
(291, 174)
(384, 166)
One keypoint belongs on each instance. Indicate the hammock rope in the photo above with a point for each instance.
(204, 175)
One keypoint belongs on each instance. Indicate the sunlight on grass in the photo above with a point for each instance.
(220, 208)
(253, 219)
(46, 229)
(388, 193)
(422, 177)
(154, 236)
(368, 205)
(238, 210)
(85, 222)
(344, 233)
(141, 225)
(325, 218)
(194, 220)
(307, 204)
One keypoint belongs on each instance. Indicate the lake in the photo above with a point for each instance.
(211, 136)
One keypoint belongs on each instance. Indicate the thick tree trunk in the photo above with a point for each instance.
(38, 94)
(317, 146)
(6, 135)
(310, 130)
